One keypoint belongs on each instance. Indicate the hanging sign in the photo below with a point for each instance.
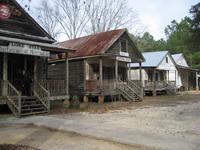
(4, 11)
(24, 49)
(123, 59)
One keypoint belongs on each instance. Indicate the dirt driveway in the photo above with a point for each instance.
(47, 139)
(167, 122)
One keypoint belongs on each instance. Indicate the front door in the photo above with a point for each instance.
(20, 72)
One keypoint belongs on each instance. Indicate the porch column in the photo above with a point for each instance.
(129, 71)
(187, 88)
(197, 81)
(66, 74)
(116, 70)
(101, 97)
(5, 73)
(101, 74)
(175, 79)
(141, 80)
(154, 82)
(167, 76)
(25, 63)
(35, 68)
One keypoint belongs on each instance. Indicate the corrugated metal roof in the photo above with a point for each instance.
(152, 59)
(176, 56)
(93, 44)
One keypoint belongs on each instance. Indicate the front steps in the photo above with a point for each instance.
(32, 106)
(129, 92)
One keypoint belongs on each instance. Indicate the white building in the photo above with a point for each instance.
(158, 72)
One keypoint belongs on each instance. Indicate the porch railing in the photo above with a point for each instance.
(92, 85)
(55, 87)
(13, 97)
(107, 86)
(149, 85)
(42, 94)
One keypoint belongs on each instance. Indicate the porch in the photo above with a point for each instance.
(24, 86)
(110, 77)
(159, 81)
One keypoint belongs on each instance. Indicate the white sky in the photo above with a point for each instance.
(155, 15)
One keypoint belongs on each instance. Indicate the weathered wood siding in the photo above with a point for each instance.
(42, 68)
(132, 50)
(18, 22)
(76, 77)
(1, 66)
(56, 71)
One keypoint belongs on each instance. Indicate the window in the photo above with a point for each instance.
(123, 46)
(166, 59)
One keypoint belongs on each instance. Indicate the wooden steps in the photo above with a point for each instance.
(32, 106)
(128, 92)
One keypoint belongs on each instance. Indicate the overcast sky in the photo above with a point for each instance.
(155, 15)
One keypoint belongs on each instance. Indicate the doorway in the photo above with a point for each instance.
(20, 73)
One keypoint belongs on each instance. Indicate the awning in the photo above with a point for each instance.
(44, 46)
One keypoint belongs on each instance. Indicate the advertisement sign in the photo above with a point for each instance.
(4, 11)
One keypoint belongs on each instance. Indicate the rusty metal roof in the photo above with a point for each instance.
(95, 44)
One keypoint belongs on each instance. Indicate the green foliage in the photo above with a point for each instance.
(182, 37)
(147, 42)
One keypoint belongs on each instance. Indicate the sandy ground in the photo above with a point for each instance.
(167, 122)
(47, 139)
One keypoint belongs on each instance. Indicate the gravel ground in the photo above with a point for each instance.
(166, 122)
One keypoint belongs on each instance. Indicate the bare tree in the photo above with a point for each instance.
(72, 16)
(47, 19)
(106, 15)
(79, 17)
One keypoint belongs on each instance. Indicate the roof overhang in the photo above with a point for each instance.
(186, 68)
(44, 46)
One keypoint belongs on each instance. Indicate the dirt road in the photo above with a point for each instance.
(47, 139)
(167, 122)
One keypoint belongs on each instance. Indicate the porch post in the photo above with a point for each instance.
(141, 80)
(129, 71)
(101, 97)
(167, 76)
(116, 70)
(101, 74)
(154, 82)
(175, 79)
(187, 80)
(35, 68)
(66, 74)
(197, 83)
(5, 73)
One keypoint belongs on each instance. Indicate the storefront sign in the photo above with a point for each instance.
(18, 48)
(4, 11)
(124, 54)
(124, 59)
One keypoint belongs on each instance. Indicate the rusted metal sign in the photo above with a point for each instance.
(4, 11)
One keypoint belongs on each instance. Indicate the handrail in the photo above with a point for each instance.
(13, 97)
(42, 94)
(137, 88)
(130, 89)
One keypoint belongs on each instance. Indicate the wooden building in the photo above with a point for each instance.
(186, 74)
(159, 73)
(24, 51)
(99, 66)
